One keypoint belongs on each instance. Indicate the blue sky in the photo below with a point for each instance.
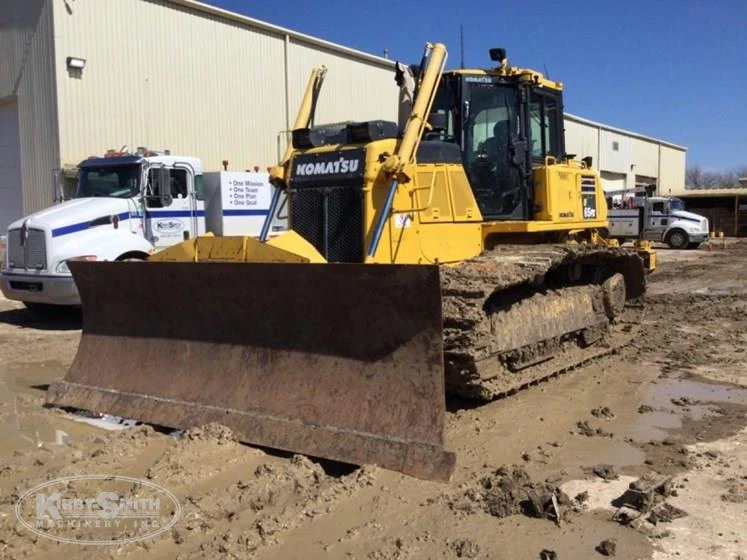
(676, 70)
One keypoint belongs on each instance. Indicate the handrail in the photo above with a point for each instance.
(430, 197)
(408, 147)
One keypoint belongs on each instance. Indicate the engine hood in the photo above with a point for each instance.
(76, 214)
(689, 216)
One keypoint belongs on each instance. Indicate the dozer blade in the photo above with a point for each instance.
(339, 361)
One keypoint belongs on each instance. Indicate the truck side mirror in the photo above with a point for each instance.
(164, 186)
(57, 182)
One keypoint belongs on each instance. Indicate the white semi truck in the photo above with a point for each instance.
(655, 218)
(127, 207)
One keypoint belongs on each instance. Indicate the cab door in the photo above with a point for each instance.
(658, 220)
(170, 210)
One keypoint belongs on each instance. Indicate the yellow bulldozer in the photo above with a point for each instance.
(456, 252)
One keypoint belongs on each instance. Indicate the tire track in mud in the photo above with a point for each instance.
(235, 499)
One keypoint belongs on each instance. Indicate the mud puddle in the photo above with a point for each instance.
(727, 290)
(24, 422)
(683, 391)
(671, 399)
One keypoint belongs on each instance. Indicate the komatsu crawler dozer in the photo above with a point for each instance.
(453, 252)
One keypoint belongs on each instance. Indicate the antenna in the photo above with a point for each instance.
(547, 74)
(461, 44)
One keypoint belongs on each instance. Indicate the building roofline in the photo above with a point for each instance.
(282, 31)
(703, 193)
(638, 135)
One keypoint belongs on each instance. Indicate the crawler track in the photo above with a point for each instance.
(519, 314)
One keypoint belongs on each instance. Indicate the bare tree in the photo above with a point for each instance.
(694, 177)
(698, 178)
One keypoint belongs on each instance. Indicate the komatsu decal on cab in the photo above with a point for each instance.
(127, 207)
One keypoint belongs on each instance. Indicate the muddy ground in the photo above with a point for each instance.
(672, 404)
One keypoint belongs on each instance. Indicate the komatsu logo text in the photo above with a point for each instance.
(342, 165)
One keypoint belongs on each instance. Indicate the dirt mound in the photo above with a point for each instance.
(605, 471)
(666, 513)
(603, 412)
(200, 453)
(510, 491)
(214, 433)
(736, 490)
(465, 548)
(398, 548)
(607, 547)
(586, 430)
(137, 436)
(256, 511)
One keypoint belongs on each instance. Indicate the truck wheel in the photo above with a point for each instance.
(132, 257)
(677, 239)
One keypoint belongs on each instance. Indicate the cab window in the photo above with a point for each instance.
(199, 188)
(444, 105)
(544, 121)
(177, 186)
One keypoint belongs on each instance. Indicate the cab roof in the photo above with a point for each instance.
(522, 74)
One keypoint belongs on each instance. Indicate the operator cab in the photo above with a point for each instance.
(506, 121)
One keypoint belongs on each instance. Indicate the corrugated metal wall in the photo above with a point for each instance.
(11, 193)
(582, 140)
(637, 157)
(672, 171)
(645, 157)
(614, 152)
(352, 91)
(169, 76)
(26, 74)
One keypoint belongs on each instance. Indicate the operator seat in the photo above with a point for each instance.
(496, 147)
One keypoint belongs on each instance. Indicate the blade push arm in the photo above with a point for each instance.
(304, 119)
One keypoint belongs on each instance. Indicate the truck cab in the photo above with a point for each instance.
(126, 207)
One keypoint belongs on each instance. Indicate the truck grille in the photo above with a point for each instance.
(32, 254)
(15, 251)
(331, 219)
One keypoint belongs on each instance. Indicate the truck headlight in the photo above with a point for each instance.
(62, 267)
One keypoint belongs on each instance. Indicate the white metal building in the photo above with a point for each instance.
(627, 159)
(173, 74)
(78, 77)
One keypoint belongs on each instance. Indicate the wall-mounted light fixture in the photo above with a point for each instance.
(74, 62)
